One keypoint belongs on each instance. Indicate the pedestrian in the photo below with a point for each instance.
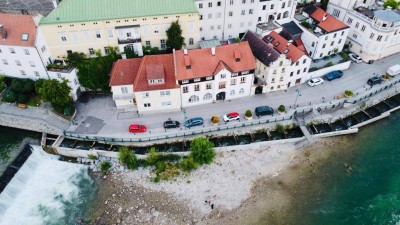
(212, 206)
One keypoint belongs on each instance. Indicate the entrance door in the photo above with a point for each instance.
(221, 96)
(259, 90)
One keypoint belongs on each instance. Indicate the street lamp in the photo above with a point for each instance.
(298, 93)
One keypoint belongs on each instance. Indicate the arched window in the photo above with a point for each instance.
(241, 91)
(191, 41)
(193, 98)
(207, 96)
(232, 92)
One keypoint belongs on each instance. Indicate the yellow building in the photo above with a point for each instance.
(90, 25)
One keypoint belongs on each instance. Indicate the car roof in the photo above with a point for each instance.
(135, 125)
(234, 114)
(265, 107)
(196, 118)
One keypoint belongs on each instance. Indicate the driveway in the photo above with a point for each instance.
(116, 122)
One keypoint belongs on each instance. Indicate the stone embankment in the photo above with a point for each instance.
(94, 164)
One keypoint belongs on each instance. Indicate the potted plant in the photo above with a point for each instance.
(214, 120)
(248, 115)
(348, 93)
(281, 109)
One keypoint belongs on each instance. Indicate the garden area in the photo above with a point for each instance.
(328, 61)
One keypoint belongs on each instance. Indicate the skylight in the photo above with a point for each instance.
(25, 36)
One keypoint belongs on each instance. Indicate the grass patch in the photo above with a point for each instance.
(34, 101)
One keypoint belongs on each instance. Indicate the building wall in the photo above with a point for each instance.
(82, 36)
(298, 73)
(232, 91)
(158, 102)
(123, 100)
(235, 17)
(323, 71)
(70, 76)
(25, 62)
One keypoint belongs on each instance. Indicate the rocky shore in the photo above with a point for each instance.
(242, 186)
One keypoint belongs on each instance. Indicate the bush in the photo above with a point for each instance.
(248, 113)
(281, 108)
(92, 157)
(22, 98)
(153, 157)
(280, 128)
(105, 166)
(313, 69)
(202, 150)
(348, 93)
(326, 57)
(127, 157)
(9, 96)
(330, 63)
(189, 164)
(8, 81)
(214, 119)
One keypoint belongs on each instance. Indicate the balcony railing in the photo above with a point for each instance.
(129, 40)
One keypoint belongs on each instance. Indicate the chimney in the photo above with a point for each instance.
(185, 51)
(3, 32)
(213, 51)
(324, 17)
(55, 3)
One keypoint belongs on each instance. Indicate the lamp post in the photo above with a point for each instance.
(298, 93)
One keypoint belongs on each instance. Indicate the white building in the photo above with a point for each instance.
(323, 34)
(280, 64)
(374, 32)
(224, 19)
(145, 84)
(216, 74)
(340, 8)
(23, 53)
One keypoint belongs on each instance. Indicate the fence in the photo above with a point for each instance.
(181, 134)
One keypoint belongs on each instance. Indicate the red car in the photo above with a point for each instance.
(137, 128)
(231, 116)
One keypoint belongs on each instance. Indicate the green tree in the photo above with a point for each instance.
(127, 157)
(55, 92)
(94, 73)
(174, 36)
(202, 150)
(392, 3)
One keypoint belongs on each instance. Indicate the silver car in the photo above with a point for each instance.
(355, 58)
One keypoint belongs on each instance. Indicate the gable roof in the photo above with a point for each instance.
(330, 24)
(16, 25)
(204, 64)
(283, 46)
(161, 64)
(261, 50)
(124, 71)
(70, 11)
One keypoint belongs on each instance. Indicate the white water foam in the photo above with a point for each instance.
(38, 192)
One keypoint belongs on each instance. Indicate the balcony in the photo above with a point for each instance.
(129, 40)
(126, 96)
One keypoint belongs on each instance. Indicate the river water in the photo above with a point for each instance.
(45, 191)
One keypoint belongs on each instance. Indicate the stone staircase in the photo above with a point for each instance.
(300, 119)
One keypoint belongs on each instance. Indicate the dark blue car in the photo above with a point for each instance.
(333, 75)
(196, 121)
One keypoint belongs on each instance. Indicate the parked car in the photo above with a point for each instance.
(374, 80)
(231, 116)
(137, 128)
(171, 124)
(264, 110)
(315, 81)
(196, 121)
(394, 70)
(355, 58)
(333, 75)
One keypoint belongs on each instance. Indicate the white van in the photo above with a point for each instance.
(394, 70)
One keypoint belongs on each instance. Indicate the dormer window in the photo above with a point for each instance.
(286, 51)
(209, 78)
(185, 81)
(270, 39)
(197, 80)
(277, 43)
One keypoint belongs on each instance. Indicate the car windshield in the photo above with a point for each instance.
(189, 121)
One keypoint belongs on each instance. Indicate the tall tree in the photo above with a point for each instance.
(174, 36)
(202, 150)
(55, 92)
(94, 73)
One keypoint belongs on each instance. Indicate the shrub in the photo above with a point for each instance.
(92, 157)
(9, 96)
(202, 150)
(248, 113)
(281, 108)
(313, 69)
(189, 164)
(326, 57)
(22, 98)
(386, 76)
(105, 166)
(153, 157)
(214, 119)
(127, 157)
(330, 63)
(348, 93)
(306, 24)
(280, 128)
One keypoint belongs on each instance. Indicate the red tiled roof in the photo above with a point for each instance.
(16, 25)
(166, 62)
(281, 44)
(204, 64)
(330, 24)
(299, 44)
(155, 71)
(124, 71)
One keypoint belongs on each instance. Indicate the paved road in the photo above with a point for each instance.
(116, 123)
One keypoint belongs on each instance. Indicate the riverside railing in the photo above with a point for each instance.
(185, 133)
